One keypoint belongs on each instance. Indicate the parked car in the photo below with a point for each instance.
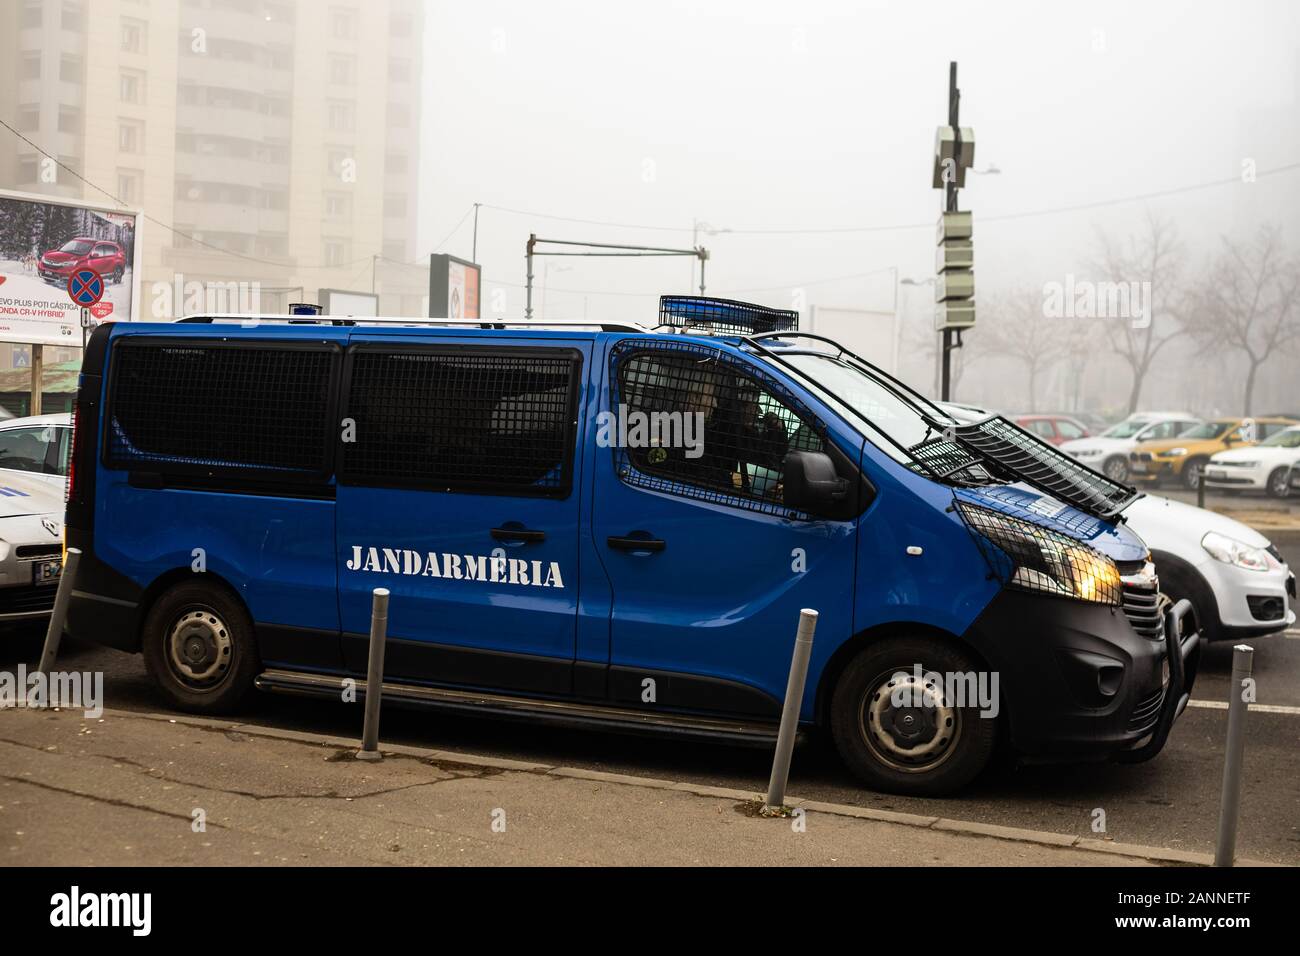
(37, 445)
(1056, 429)
(83, 252)
(1262, 467)
(547, 562)
(1236, 580)
(1181, 459)
(31, 546)
(1109, 451)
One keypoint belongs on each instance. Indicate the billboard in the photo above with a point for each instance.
(344, 302)
(42, 241)
(453, 288)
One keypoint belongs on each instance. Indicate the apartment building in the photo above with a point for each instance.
(278, 138)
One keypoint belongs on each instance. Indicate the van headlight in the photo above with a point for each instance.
(1034, 558)
(1234, 552)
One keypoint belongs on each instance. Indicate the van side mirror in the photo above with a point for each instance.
(811, 484)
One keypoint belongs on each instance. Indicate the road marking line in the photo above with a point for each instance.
(1262, 708)
(1293, 634)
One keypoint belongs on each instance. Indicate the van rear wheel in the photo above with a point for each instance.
(901, 732)
(199, 648)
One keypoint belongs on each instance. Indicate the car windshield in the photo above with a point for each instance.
(842, 385)
(1208, 430)
(77, 247)
(1125, 429)
(1284, 439)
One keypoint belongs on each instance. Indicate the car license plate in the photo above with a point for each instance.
(1216, 474)
(47, 572)
(1138, 466)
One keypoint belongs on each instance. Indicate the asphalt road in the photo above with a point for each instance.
(1171, 801)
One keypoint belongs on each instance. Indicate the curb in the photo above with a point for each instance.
(1153, 854)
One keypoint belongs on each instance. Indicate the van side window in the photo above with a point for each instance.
(222, 408)
(702, 425)
(471, 419)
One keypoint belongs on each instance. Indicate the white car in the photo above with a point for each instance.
(1262, 467)
(1109, 451)
(1237, 581)
(31, 546)
(37, 446)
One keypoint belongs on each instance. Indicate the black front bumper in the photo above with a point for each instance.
(1077, 682)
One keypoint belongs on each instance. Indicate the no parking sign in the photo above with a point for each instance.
(85, 287)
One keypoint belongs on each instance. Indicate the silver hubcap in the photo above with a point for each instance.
(199, 648)
(1117, 470)
(907, 723)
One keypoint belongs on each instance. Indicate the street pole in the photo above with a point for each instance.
(473, 256)
(528, 294)
(954, 103)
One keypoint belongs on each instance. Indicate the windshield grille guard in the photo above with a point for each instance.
(1027, 457)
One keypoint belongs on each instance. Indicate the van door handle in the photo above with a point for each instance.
(518, 534)
(635, 544)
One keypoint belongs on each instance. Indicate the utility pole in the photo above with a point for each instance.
(473, 256)
(955, 284)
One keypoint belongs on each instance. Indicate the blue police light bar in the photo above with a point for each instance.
(304, 308)
(724, 316)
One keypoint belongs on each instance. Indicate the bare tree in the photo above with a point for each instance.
(1153, 260)
(1247, 302)
(1016, 326)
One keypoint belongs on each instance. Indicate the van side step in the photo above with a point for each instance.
(597, 716)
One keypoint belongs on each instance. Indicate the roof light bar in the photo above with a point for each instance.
(724, 316)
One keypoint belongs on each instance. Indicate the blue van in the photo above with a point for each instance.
(613, 526)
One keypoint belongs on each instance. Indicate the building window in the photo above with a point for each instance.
(131, 87)
(341, 116)
(399, 70)
(29, 119)
(128, 185)
(129, 137)
(343, 23)
(399, 25)
(334, 253)
(69, 119)
(342, 70)
(70, 69)
(31, 14)
(338, 204)
(394, 205)
(134, 35)
(74, 16)
(395, 163)
(399, 115)
(31, 67)
(27, 169)
(395, 249)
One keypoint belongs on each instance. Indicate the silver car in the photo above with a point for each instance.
(31, 545)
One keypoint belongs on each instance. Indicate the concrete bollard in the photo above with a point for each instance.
(790, 711)
(1225, 849)
(375, 675)
(62, 597)
(1200, 488)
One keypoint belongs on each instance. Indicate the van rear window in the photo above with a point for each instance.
(210, 407)
(469, 419)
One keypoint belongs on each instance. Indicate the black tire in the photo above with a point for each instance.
(1191, 471)
(1116, 468)
(215, 652)
(871, 752)
(1279, 483)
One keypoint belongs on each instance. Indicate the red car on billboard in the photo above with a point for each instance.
(83, 252)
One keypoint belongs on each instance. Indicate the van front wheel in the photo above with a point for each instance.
(199, 648)
(906, 717)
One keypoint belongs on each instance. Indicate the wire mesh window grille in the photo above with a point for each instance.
(474, 420)
(1040, 464)
(213, 407)
(1029, 557)
(693, 421)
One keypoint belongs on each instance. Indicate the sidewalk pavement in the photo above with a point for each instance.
(127, 789)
